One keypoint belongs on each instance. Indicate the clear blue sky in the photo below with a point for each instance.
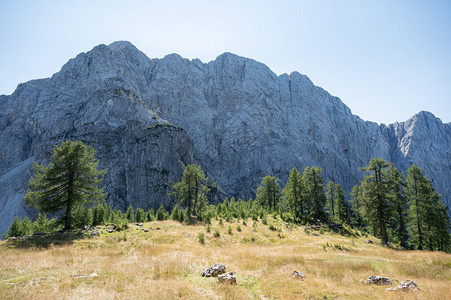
(387, 60)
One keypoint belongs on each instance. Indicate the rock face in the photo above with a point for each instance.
(86, 101)
(246, 122)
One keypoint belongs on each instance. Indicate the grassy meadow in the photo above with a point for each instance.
(166, 262)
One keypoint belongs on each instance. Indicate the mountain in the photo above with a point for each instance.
(233, 116)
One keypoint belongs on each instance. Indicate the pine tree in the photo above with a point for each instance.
(313, 192)
(70, 179)
(292, 193)
(268, 192)
(376, 204)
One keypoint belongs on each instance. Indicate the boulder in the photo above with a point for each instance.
(369, 241)
(297, 274)
(95, 233)
(378, 280)
(406, 286)
(214, 270)
(228, 278)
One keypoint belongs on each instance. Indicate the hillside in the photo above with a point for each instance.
(149, 118)
(164, 259)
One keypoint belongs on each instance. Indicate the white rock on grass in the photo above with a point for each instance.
(373, 279)
(228, 278)
(406, 286)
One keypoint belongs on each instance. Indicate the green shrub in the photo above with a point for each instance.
(238, 228)
(216, 234)
(140, 215)
(201, 237)
(129, 214)
(208, 228)
(229, 230)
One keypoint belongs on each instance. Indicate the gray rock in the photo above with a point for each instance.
(214, 270)
(406, 286)
(246, 122)
(95, 233)
(369, 241)
(373, 279)
(228, 278)
(297, 274)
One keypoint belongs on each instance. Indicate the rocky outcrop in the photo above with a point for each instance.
(406, 286)
(297, 274)
(214, 270)
(228, 278)
(373, 279)
(246, 122)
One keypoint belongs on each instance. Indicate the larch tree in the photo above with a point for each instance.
(400, 205)
(190, 191)
(314, 193)
(268, 192)
(330, 200)
(341, 209)
(292, 193)
(417, 192)
(70, 179)
(376, 204)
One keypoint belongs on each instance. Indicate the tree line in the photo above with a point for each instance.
(399, 208)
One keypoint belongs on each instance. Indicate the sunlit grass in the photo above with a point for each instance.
(166, 262)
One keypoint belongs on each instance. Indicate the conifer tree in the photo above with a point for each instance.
(190, 191)
(376, 204)
(356, 206)
(400, 205)
(341, 208)
(330, 199)
(292, 194)
(70, 179)
(314, 193)
(417, 192)
(429, 225)
(268, 192)
(130, 214)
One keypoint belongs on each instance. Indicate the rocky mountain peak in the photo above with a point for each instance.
(233, 116)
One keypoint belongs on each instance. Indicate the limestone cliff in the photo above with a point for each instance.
(245, 121)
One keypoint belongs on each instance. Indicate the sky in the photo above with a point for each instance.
(386, 60)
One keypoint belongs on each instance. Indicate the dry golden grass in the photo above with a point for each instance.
(165, 263)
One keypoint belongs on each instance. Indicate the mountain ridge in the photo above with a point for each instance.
(245, 121)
